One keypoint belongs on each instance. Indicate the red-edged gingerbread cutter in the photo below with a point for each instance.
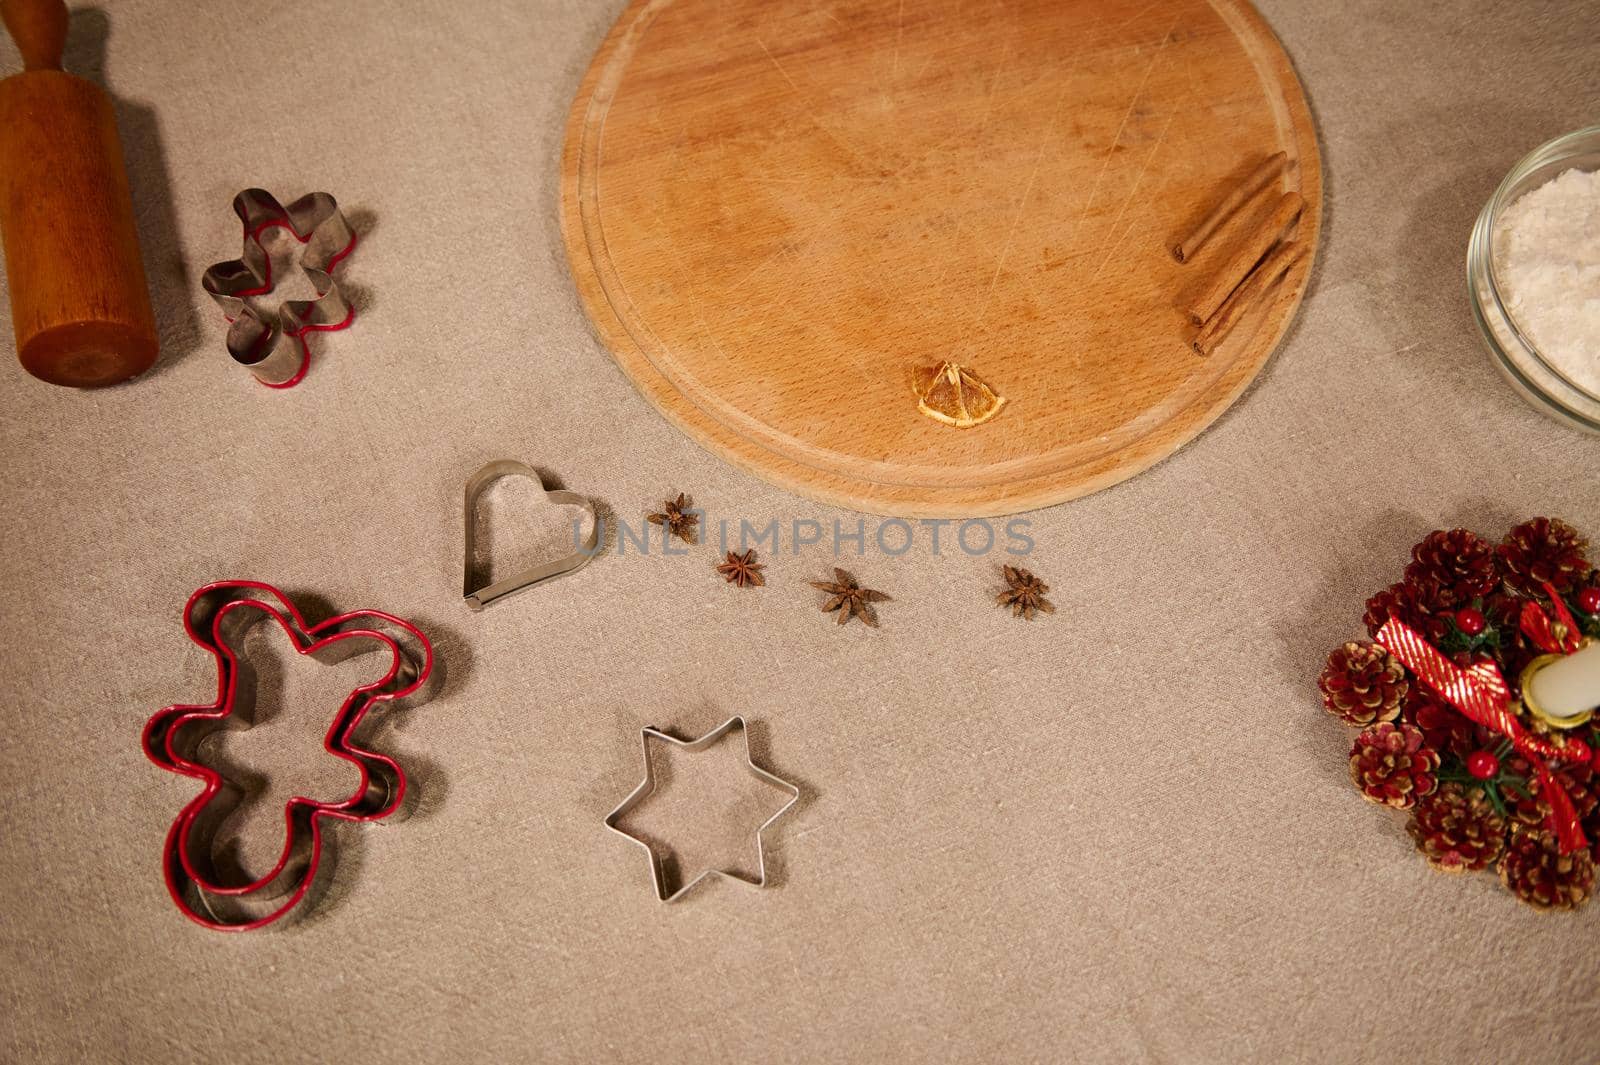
(275, 349)
(216, 618)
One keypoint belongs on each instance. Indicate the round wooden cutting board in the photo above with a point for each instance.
(779, 211)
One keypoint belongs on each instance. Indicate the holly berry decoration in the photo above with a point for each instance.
(1473, 802)
(1483, 765)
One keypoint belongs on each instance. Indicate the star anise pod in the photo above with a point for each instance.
(742, 570)
(1025, 594)
(678, 520)
(850, 599)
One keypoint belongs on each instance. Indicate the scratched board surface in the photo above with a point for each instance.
(777, 212)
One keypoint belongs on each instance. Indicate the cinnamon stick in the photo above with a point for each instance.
(1253, 183)
(1277, 263)
(1244, 260)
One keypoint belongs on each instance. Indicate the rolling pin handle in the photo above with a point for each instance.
(40, 29)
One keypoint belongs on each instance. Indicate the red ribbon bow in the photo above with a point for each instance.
(1480, 692)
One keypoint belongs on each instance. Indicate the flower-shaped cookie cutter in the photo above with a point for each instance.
(276, 350)
(216, 618)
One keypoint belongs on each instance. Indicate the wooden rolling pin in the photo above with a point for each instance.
(78, 295)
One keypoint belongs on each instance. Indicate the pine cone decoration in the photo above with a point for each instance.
(1541, 550)
(1411, 602)
(1363, 683)
(1457, 829)
(1392, 765)
(1535, 870)
(1444, 728)
(1457, 565)
(1529, 808)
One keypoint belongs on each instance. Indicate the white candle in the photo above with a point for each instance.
(1568, 686)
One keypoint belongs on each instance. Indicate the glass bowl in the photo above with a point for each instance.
(1529, 372)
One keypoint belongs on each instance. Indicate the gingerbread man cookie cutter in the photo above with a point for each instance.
(216, 618)
(276, 350)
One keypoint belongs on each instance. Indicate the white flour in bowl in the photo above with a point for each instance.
(1547, 267)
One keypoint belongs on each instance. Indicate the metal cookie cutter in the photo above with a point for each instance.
(479, 597)
(216, 618)
(277, 351)
(657, 873)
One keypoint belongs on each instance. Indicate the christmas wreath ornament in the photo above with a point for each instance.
(1496, 769)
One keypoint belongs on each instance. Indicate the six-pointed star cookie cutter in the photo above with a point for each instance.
(479, 597)
(216, 618)
(658, 875)
(276, 351)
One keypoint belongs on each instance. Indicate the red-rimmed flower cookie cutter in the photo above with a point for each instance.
(216, 618)
(275, 349)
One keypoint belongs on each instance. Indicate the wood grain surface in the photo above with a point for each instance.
(80, 304)
(777, 212)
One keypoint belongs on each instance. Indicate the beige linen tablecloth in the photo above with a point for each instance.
(1121, 833)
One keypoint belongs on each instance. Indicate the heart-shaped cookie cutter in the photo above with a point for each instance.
(479, 597)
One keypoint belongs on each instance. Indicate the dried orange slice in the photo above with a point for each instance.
(952, 395)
